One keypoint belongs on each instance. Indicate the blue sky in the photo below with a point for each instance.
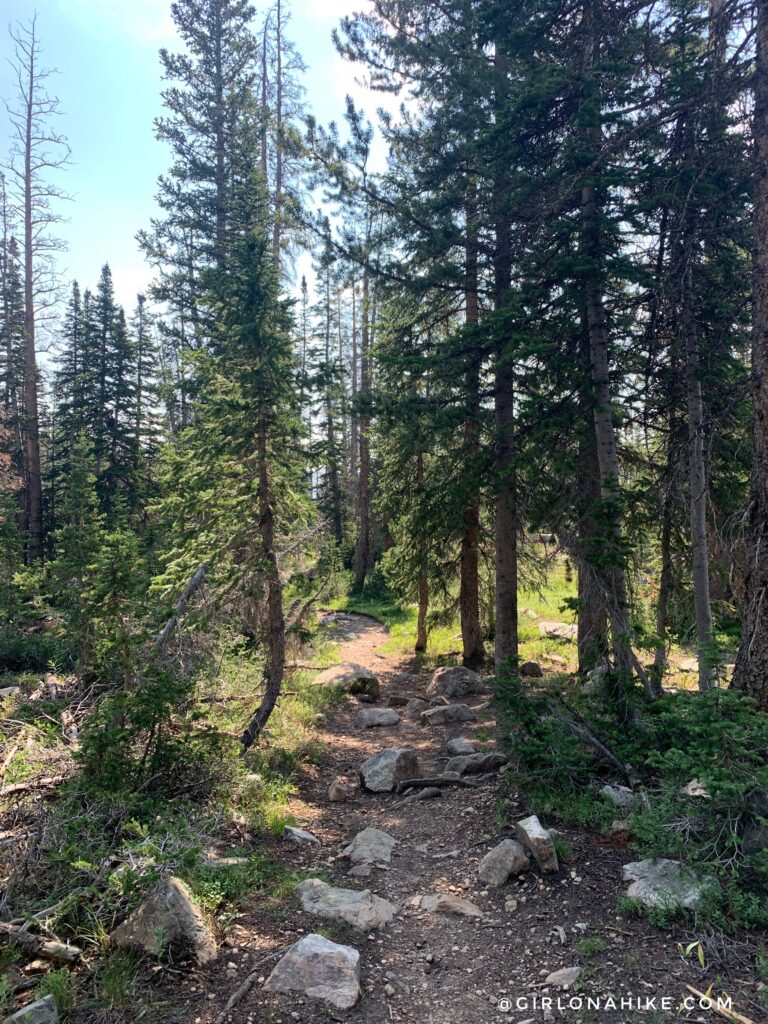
(109, 85)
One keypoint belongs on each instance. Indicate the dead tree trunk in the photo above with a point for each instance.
(751, 672)
(363, 546)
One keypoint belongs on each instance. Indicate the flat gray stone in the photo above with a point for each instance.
(169, 915)
(319, 969)
(11, 691)
(563, 978)
(458, 746)
(362, 910)
(372, 718)
(447, 903)
(385, 770)
(560, 630)
(414, 707)
(300, 836)
(503, 861)
(454, 681)
(476, 764)
(371, 846)
(621, 797)
(664, 883)
(538, 842)
(447, 715)
(42, 1011)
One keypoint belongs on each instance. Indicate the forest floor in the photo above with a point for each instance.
(444, 968)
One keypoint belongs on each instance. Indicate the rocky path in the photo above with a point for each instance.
(427, 963)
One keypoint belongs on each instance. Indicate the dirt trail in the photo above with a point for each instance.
(447, 969)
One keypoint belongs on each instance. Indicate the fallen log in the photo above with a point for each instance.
(36, 945)
(24, 787)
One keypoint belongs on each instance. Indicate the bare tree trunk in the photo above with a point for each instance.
(363, 546)
(353, 427)
(332, 464)
(751, 671)
(421, 622)
(469, 582)
(31, 432)
(274, 666)
(277, 229)
(220, 116)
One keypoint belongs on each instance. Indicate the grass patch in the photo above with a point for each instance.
(591, 946)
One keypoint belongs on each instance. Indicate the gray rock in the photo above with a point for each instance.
(414, 707)
(300, 836)
(447, 715)
(447, 903)
(621, 797)
(360, 871)
(212, 860)
(372, 718)
(42, 1011)
(454, 681)
(12, 691)
(371, 846)
(754, 839)
(664, 883)
(459, 746)
(476, 764)
(360, 909)
(559, 630)
(385, 770)
(319, 969)
(352, 678)
(338, 792)
(531, 669)
(168, 916)
(563, 978)
(508, 858)
(535, 838)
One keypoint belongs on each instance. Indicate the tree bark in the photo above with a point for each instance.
(421, 621)
(469, 582)
(751, 671)
(363, 546)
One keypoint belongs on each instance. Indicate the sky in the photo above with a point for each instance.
(109, 83)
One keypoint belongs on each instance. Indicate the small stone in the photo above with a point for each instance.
(42, 1011)
(454, 681)
(320, 969)
(337, 791)
(447, 715)
(508, 858)
(414, 707)
(460, 746)
(391, 766)
(352, 678)
(446, 903)
(370, 846)
(535, 838)
(621, 797)
(563, 978)
(362, 910)
(477, 764)
(300, 836)
(373, 718)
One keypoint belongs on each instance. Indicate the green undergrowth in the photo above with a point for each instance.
(719, 738)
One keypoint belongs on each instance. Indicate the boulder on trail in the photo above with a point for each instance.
(414, 707)
(373, 718)
(447, 715)
(384, 771)
(664, 883)
(352, 678)
(371, 846)
(447, 903)
(476, 764)
(320, 969)
(168, 916)
(504, 860)
(42, 1011)
(454, 681)
(535, 838)
(458, 746)
(360, 909)
(300, 836)
(531, 669)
